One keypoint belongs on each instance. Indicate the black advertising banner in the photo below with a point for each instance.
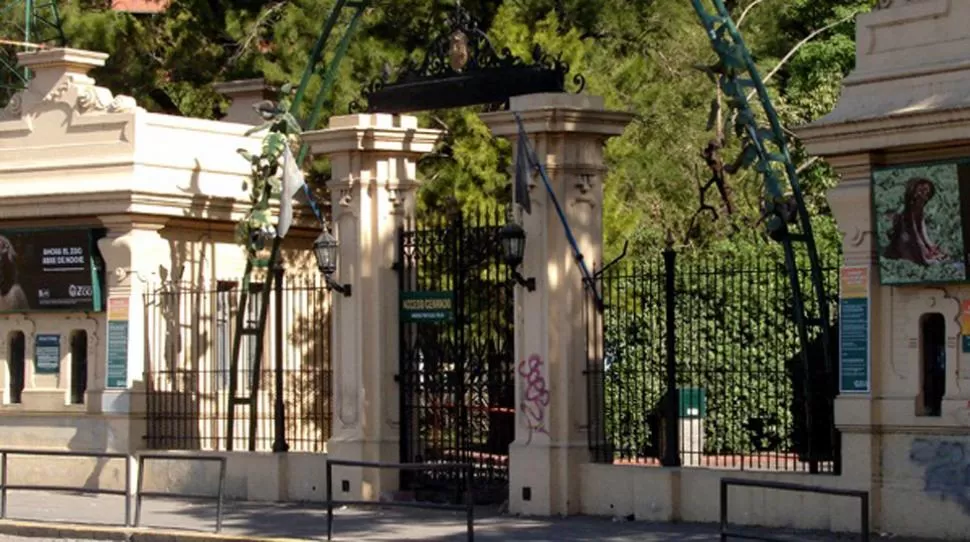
(48, 270)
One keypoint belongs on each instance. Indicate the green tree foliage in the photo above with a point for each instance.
(639, 54)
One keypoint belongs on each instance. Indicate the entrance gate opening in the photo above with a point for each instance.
(457, 362)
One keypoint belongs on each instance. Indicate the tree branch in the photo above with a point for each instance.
(254, 31)
(809, 163)
(746, 11)
(801, 44)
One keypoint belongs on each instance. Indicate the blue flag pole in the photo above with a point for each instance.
(580, 260)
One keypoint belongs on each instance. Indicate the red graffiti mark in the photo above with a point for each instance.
(535, 396)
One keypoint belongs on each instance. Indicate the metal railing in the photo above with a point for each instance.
(5, 487)
(468, 507)
(726, 532)
(698, 364)
(189, 346)
(140, 494)
(126, 492)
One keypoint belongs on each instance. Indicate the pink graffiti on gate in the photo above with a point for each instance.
(535, 396)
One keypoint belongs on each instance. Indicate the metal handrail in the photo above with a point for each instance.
(468, 507)
(126, 493)
(863, 496)
(139, 493)
(4, 486)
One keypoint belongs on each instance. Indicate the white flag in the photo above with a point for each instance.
(293, 181)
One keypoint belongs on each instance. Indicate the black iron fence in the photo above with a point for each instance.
(189, 332)
(457, 368)
(740, 397)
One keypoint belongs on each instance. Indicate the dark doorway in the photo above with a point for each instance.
(79, 366)
(933, 362)
(15, 366)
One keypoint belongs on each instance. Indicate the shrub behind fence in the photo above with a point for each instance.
(740, 378)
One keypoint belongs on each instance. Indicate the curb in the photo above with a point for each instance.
(30, 529)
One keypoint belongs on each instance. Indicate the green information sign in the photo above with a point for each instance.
(854, 331)
(47, 354)
(117, 355)
(427, 307)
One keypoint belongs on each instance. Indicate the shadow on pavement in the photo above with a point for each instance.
(309, 521)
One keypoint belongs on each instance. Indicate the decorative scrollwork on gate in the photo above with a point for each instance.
(462, 67)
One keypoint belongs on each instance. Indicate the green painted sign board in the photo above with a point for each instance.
(427, 307)
(117, 373)
(47, 354)
(854, 337)
(117, 355)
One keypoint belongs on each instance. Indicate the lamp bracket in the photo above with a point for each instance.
(344, 289)
(528, 283)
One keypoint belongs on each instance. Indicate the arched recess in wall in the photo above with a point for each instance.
(16, 354)
(79, 366)
(932, 365)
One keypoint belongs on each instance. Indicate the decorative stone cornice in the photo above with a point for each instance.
(911, 84)
(61, 77)
(373, 132)
(243, 95)
(558, 113)
(602, 124)
(886, 4)
(123, 202)
(906, 130)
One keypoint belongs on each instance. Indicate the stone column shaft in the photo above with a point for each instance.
(135, 254)
(374, 164)
(904, 105)
(551, 442)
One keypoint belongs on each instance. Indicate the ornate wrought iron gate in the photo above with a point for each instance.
(457, 357)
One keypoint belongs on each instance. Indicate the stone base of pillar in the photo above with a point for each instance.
(544, 480)
(358, 483)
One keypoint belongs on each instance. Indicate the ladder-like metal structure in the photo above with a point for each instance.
(787, 219)
(254, 297)
(25, 25)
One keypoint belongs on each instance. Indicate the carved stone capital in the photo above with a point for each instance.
(61, 77)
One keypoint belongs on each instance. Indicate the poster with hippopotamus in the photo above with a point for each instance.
(919, 212)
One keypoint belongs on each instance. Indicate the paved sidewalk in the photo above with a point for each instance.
(308, 522)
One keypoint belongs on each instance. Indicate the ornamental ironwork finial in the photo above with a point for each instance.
(462, 67)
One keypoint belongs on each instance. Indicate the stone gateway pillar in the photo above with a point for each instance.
(374, 179)
(904, 114)
(568, 133)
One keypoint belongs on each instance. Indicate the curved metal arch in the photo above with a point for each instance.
(766, 149)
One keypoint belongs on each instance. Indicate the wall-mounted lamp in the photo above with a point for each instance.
(325, 248)
(513, 248)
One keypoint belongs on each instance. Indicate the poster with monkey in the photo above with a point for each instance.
(919, 212)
